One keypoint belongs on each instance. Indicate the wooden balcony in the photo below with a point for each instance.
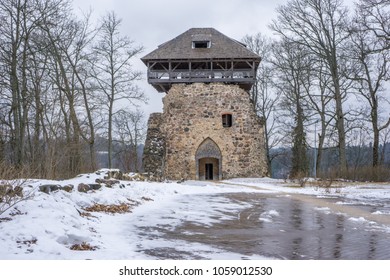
(162, 75)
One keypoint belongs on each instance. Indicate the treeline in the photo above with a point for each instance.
(322, 88)
(359, 161)
(323, 84)
(64, 82)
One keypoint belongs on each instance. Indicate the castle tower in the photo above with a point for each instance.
(208, 129)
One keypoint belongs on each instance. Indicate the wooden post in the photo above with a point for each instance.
(190, 71)
(169, 70)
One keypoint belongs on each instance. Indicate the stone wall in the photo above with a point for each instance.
(154, 150)
(193, 113)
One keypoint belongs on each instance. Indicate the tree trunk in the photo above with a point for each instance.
(110, 111)
(375, 145)
(15, 90)
(299, 158)
(321, 140)
(339, 118)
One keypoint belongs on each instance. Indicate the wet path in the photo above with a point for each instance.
(250, 225)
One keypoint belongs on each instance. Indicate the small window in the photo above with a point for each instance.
(201, 44)
(227, 120)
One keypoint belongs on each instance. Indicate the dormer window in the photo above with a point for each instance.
(201, 44)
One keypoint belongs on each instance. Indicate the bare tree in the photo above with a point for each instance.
(130, 128)
(320, 101)
(292, 65)
(113, 71)
(16, 27)
(320, 27)
(385, 136)
(50, 84)
(39, 87)
(67, 40)
(61, 38)
(371, 68)
(78, 59)
(263, 96)
(374, 16)
(23, 65)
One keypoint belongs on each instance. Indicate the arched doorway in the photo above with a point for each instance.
(208, 161)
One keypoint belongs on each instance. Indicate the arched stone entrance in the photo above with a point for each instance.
(208, 161)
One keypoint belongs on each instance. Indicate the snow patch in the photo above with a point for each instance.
(359, 220)
(381, 212)
(268, 216)
(322, 208)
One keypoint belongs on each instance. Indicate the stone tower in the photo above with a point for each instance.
(208, 129)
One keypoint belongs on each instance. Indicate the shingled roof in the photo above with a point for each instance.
(222, 47)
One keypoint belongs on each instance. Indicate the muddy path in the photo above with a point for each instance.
(352, 210)
(271, 225)
(349, 210)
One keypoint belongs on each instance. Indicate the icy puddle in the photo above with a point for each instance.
(256, 225)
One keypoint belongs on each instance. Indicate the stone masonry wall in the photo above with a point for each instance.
(193, 113)
(154, 150)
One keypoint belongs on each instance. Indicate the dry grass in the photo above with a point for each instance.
(360, 174)
(83, 247)
(11, 187)
(113, 208)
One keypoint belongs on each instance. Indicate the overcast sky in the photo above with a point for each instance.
(153, 22)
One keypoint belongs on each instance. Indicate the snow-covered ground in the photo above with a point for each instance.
(46, 226)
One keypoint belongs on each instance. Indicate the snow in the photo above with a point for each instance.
(47, 225)
(366, 192)
(325, 210)
(381, 213)
(359, 220)
(268, 215)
